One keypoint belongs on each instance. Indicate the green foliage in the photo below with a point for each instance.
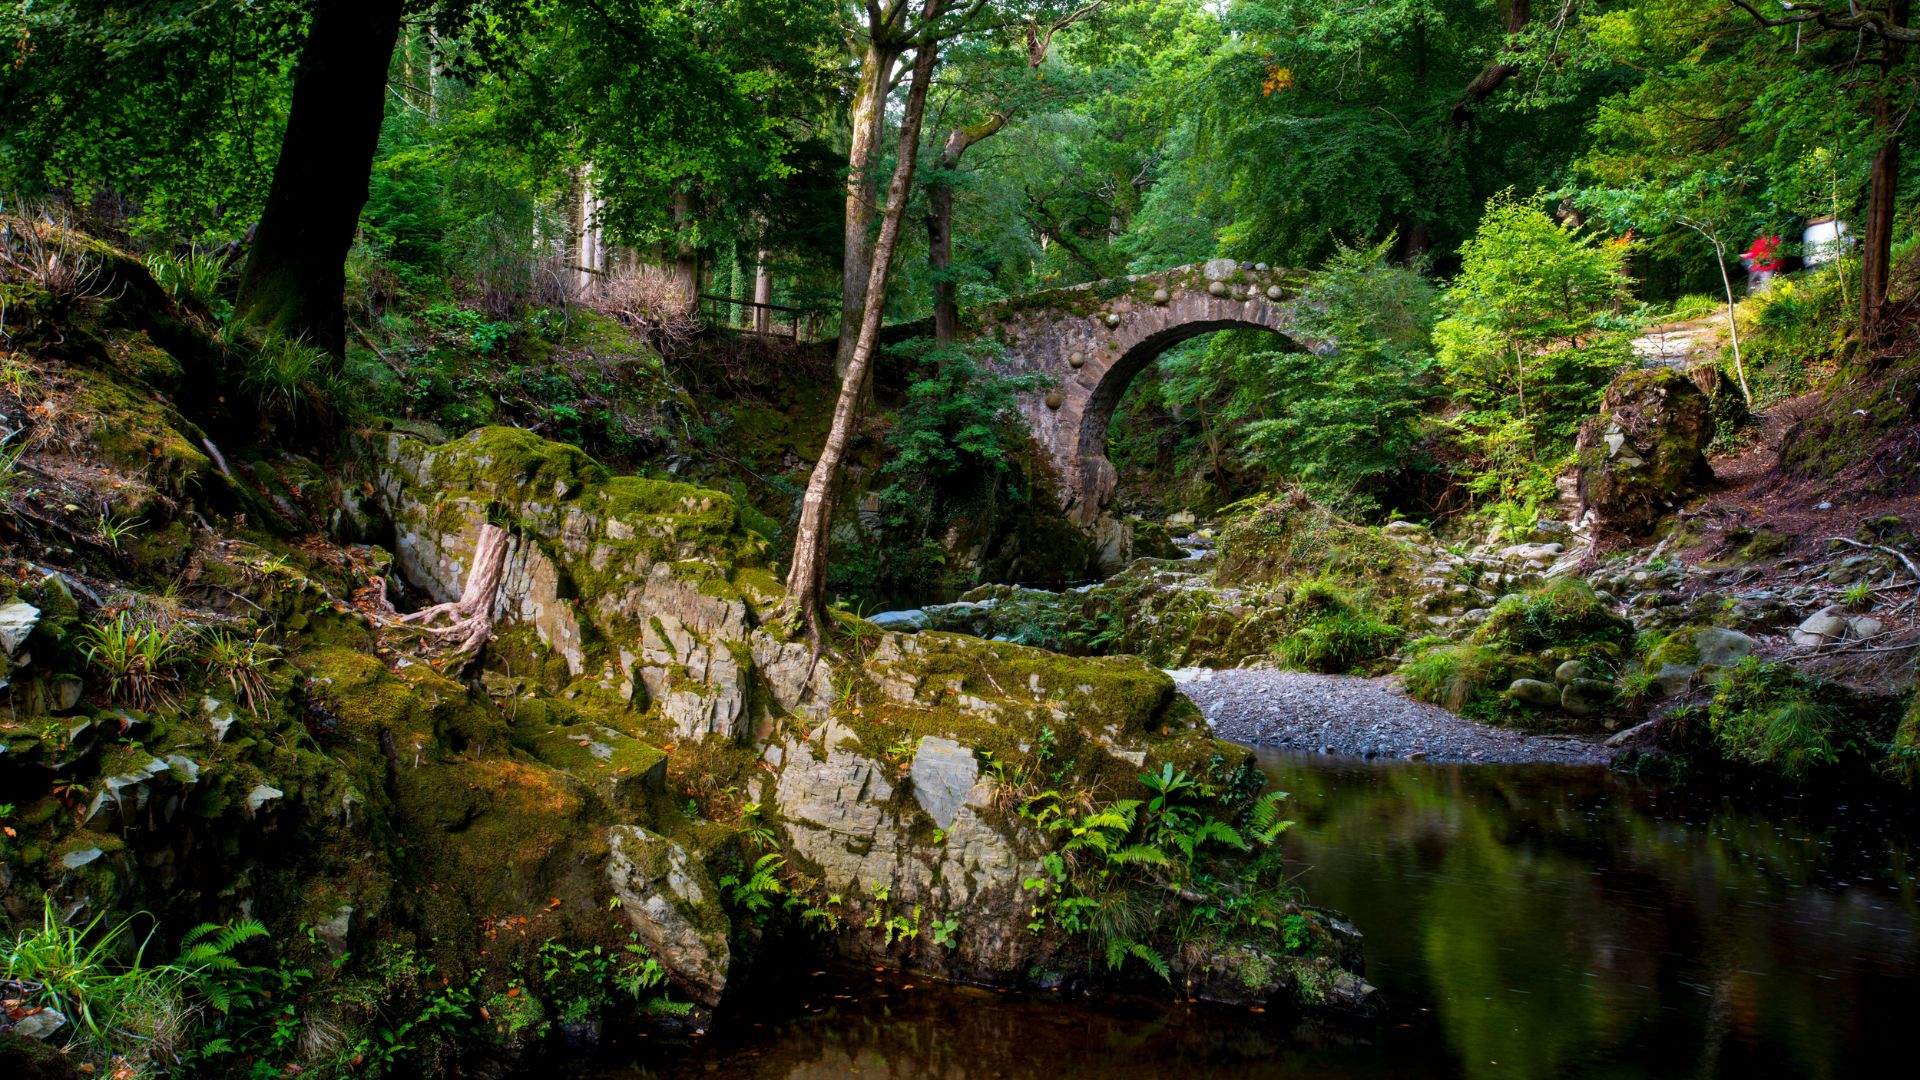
(1524, 636)
(243, 662)
(1339, 641)
(951, 454)
(1778, 718)
(1528, 345)
(288, 380)
(755, 892)
(120, 1005)
(1339, 421)
(583, 983)
(193, 276)
(1111, 866)
(138, 659)
(1563, 616)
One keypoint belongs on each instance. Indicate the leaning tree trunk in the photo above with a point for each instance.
(296, 273)
(1497, 71)
(807, 576)
(868, 120)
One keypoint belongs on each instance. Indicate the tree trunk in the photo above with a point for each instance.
(1497, 71)
(686, 257)
(868, 120)
(296, 273)
(762, 292)
(946, 306)
(807, 576)
(1883, 184)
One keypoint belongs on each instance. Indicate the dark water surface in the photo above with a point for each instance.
(1522, 921)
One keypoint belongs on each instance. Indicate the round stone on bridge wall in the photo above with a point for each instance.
(1055, 399)
(1113, 319)
(1273, 292)
(1219, 269)
(1216, 288)
(1161, 296)
(1077, 361)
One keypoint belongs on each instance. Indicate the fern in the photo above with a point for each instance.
(1119, 949)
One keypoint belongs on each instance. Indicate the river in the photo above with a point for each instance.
(1523, 921)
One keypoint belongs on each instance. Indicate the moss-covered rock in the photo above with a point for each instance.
(1645, 452)
(1526, 638)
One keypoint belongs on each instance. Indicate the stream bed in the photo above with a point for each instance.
(1522, 921)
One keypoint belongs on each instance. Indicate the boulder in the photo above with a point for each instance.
(1645, 452)
(1534, 692)
(17, 621)
(909, 621)
(1570, 671)
(1719, 647)
(670, 902)
(1586, 697)
(1674, 679)
(1823, 627)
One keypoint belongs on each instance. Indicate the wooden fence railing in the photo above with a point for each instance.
(751, 317)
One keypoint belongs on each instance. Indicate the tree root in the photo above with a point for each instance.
(459, 629)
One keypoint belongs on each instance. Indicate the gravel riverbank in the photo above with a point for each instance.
(1363, 718)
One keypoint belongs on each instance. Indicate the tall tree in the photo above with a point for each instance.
(1004, 93)
(1892, 91)
(295, 277)
(807, 574)
(887, 30)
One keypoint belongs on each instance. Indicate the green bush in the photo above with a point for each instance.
(1562, 619)
(1340, 641)
(1468, 678)
(1775, 717)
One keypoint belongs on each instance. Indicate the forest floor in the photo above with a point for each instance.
(1346, 716)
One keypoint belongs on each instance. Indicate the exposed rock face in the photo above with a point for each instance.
(633, 557)
(943, 773)
(666, 894)
(1645, 452)
(629, 609)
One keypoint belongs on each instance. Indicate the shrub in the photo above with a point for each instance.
(119, 1005)
(193, 277)
(136, 658)
(1339, 641)
(288, 379)
(1773, 716)
(1467, 678)
(1562, 617)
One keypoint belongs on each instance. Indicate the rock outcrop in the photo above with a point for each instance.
(901, 787)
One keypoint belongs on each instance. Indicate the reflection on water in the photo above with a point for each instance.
(1523, 922)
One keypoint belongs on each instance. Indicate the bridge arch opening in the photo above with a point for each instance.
(1101, 477)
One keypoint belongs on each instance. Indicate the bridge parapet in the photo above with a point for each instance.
(1093, 339)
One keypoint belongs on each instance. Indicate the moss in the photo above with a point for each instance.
(133, 430)
(1561, 620)
(1903, 754)
(1657, 649)
(1010, 700)
(367, 699)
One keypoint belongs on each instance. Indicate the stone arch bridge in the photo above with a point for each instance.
(1093, 339)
